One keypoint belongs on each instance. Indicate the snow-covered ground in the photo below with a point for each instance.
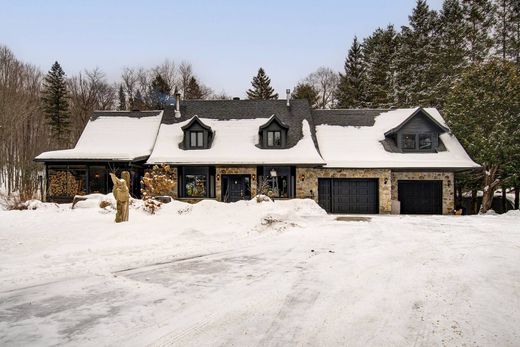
(268, 274)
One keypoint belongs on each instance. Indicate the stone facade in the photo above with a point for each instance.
(230, 170)
(448, 183)
(307, 182)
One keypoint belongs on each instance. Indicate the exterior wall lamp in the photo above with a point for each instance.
(302, 177)
(253, 177)
(218, 177)
(386, 180)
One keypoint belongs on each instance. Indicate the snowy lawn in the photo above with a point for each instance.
(266, 274)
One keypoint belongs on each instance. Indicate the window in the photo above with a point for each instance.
(197, 182)
(408, 141)
(97, 180)
(197, 139)
(195, 186)
(425, 142)
(274, 139)
(275, 182)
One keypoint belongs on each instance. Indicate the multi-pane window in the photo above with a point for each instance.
(196, 139)
(274, 139)
(408, 141)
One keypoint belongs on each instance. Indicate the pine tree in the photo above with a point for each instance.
(350, 92)
(262, 89)
(378, 55)
(451, 57)
(56, 104)
(414, 63)
(138, 101)
(159, 92)
(479, 18)
(507, 29)
(306, 91)
(483, 111)
(193, 90)
(122, 99)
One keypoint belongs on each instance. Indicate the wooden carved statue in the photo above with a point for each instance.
(122, 196)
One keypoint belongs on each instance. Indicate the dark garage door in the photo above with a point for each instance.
(338, 195)
(420, 197)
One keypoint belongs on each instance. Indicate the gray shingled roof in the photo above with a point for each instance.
(347, 117)
(247, 109)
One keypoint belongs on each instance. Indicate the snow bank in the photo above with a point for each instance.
(512, 213)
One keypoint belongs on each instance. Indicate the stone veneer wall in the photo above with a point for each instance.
(223, 170)
(447, 178)
(307, 181)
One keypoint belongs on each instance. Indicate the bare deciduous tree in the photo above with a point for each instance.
(89, 91)
(325, 81)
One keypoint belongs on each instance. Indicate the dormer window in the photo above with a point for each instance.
(274, 138)
(197, 139)
(408, 141)
(273, 134)
(425, 142)
(418, 133)
(418, 142)
(197, 135)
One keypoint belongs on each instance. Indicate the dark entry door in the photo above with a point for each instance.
(347, 195)
(236, 187)
(420, 197)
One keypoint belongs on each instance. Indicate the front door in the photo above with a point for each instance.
(236, 187)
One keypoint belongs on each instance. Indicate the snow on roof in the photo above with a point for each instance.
(113, 138)
(361, 147)
(234, 143)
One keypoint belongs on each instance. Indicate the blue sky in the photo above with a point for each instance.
(226, 41)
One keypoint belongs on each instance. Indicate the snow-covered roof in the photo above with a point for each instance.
(333, 138)
(361, 147)
(235, 142)
(122, 136)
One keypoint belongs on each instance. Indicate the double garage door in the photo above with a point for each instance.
(345, 195)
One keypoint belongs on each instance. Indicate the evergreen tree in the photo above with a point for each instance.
(350, 92)
(451, 57)
(306, 91)
(193, 90)
(483, 111)
(378, 55)
(56, 104)
(262, 89)
(138, 101)
(507, 29)
(414, 62)
(479, 18)
(159, 92)
(122, 98)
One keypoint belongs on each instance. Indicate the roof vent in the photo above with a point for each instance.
(236, 98)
